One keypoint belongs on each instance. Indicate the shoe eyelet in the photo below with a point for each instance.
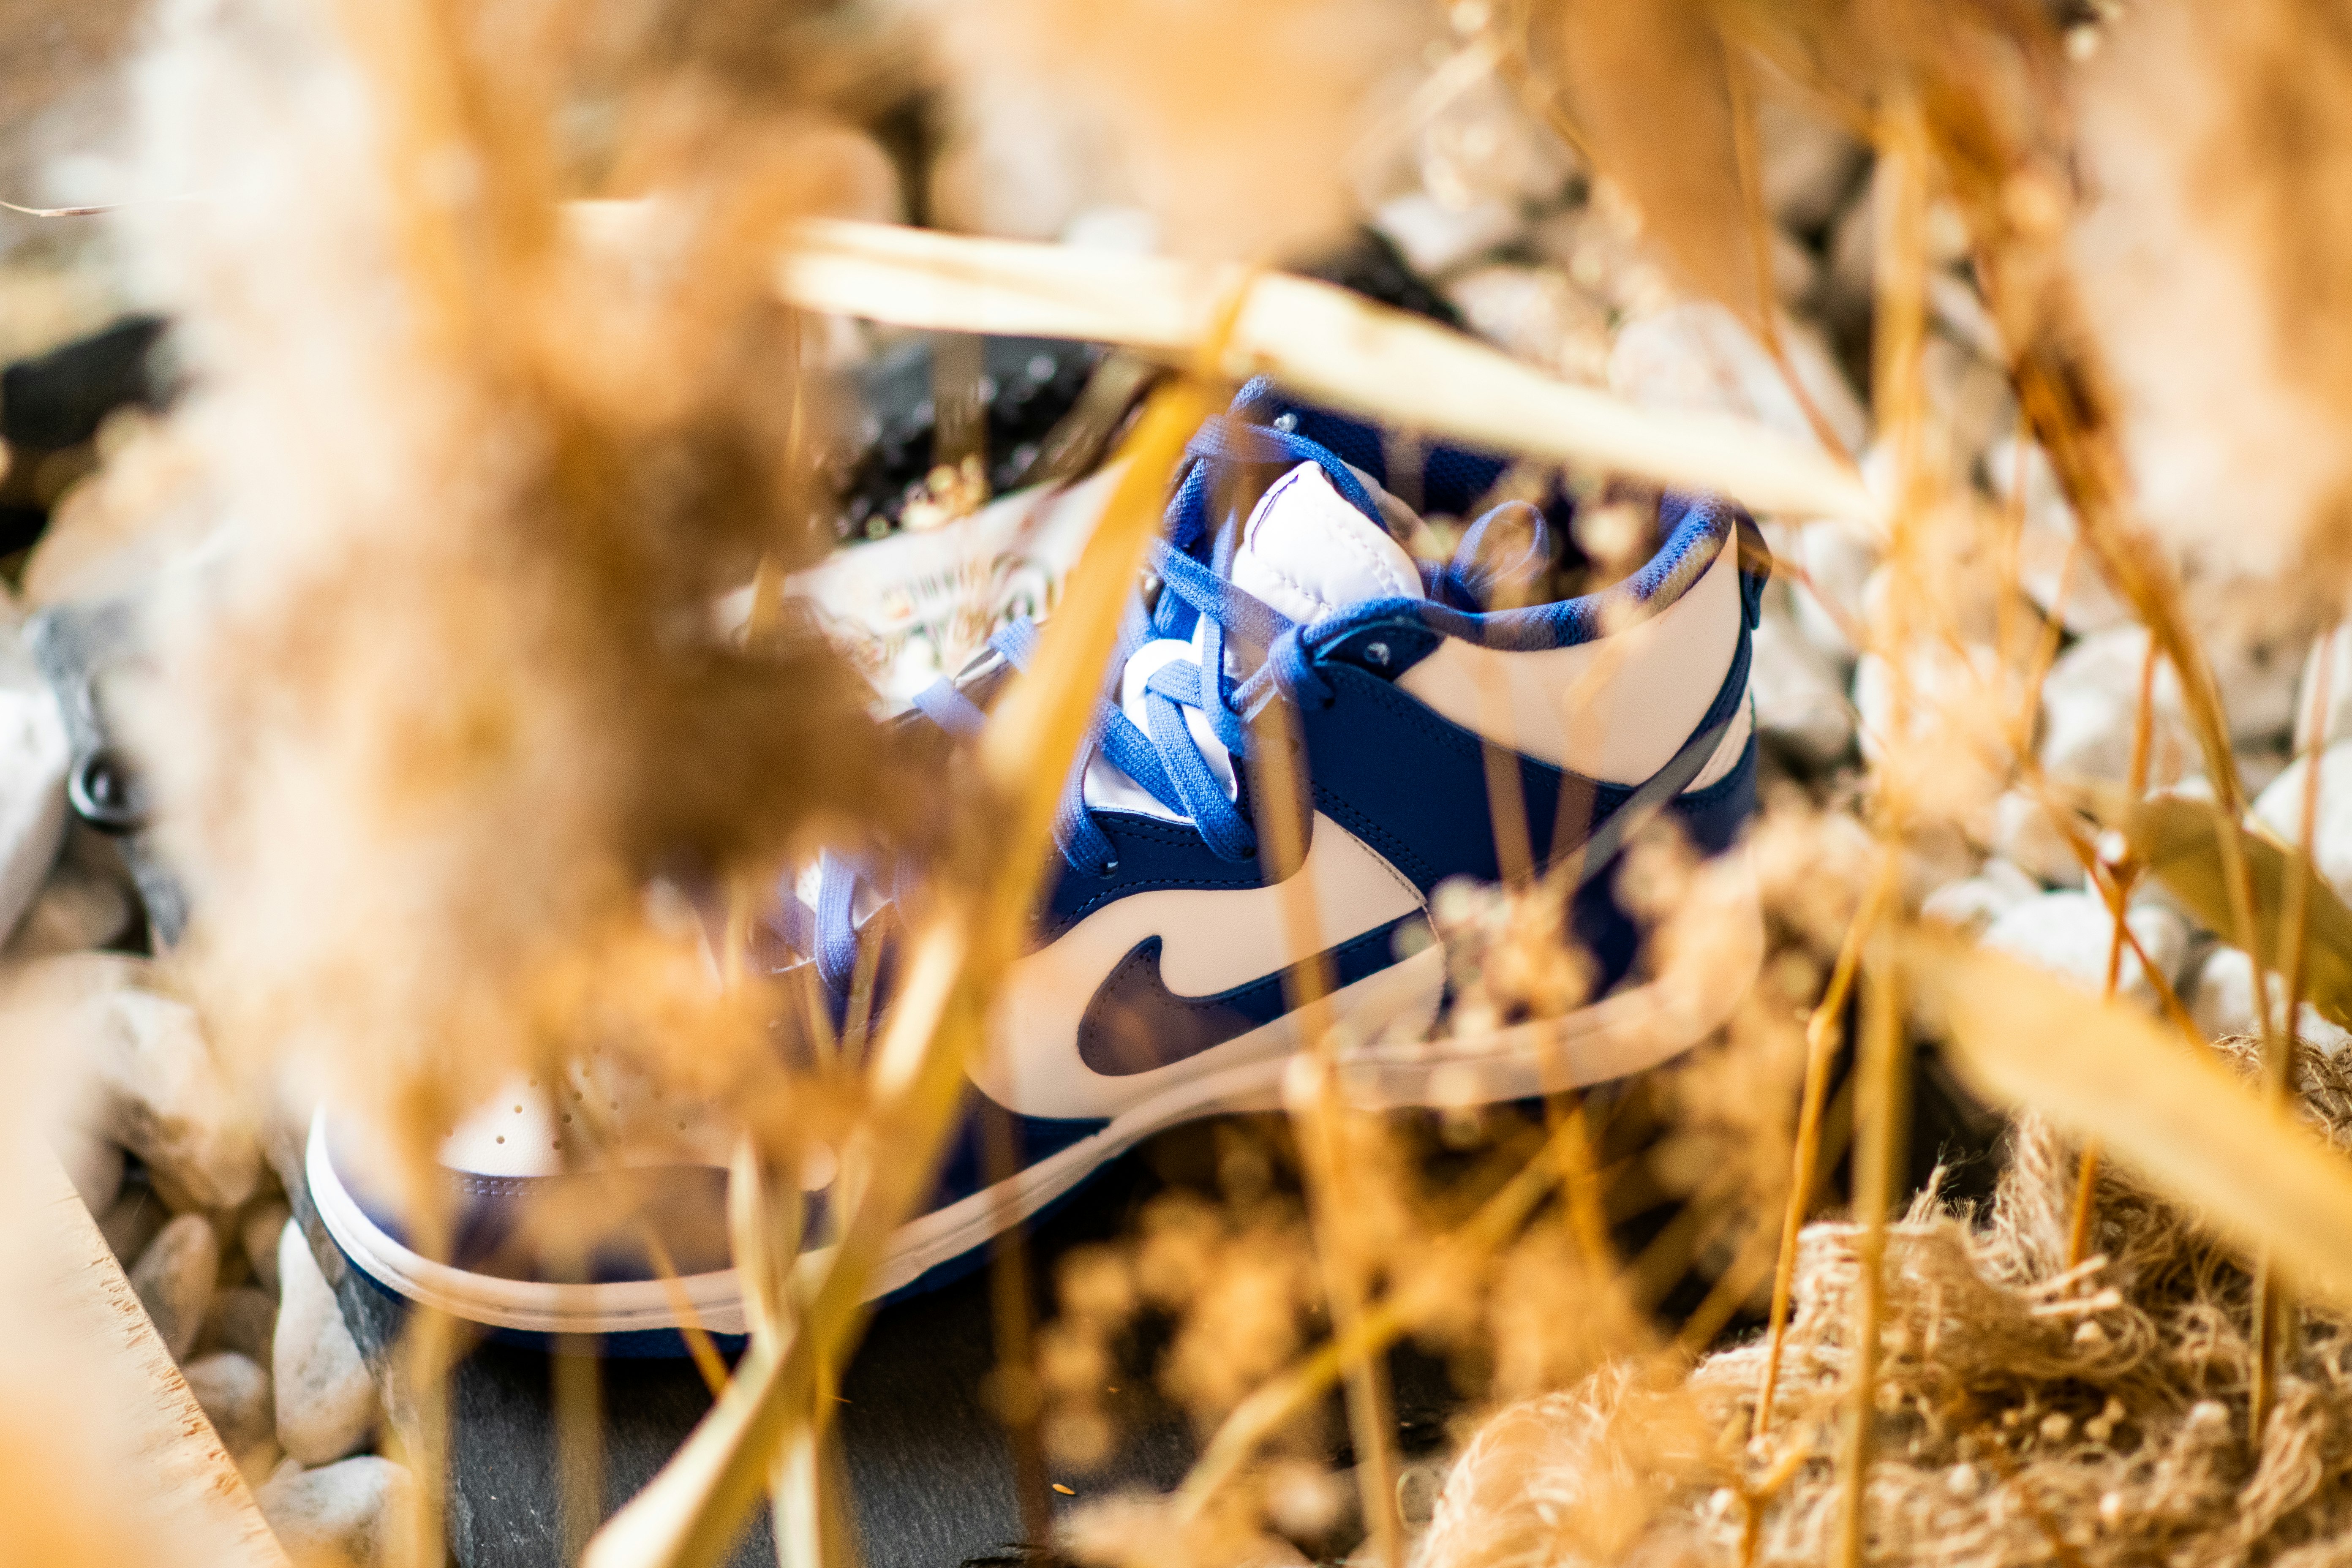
(1109, 868)
(106, 794)
(1377, 652)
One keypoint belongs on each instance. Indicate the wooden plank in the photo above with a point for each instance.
(175, 1458)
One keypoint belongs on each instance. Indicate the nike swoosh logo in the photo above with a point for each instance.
(1212, 943)
(1134, 1024)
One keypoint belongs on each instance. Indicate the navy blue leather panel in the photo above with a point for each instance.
(1711, 818)
(1404, 779)
(1153, 853)
(1413, 783)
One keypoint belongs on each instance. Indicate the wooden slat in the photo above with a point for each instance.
(179, 1466)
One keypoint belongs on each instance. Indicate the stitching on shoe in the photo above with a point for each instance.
(1370, 556)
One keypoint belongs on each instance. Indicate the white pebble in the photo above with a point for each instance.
(2090, 708)
(2224, 1003)
(1437, 238)
(2258, 681)
(131, 1066)
(325, 1400)
(2090, 705)
(2325, 716)
(1954, 698)
(173, 1105)
(242, 1320)
(1972, 903)
(1800, 699)
(2024, 833)
(174, 1278)
(2070, 933)
(351, 1513)
(2280, 809)
(2049, 537)
(155, 1088)
(257, 1233)
(1537, 314)
(234, 1393)
(1700, 355)
(1838, 561)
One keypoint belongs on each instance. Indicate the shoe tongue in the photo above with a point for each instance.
(1306, 551)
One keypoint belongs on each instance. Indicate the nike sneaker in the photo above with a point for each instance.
(1425, 690)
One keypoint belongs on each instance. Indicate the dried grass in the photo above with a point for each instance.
(1236, 126)
(2209, 139)
(2027, 1412)
(460, 769)
(448, 689)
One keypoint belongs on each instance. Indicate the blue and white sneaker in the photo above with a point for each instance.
(1153, 991)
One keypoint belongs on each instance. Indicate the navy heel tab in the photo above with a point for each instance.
(1755, 567)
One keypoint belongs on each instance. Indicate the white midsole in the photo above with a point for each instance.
(1621, 1033)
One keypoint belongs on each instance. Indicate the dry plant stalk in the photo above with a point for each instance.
(1318, 340)
(1239, 127)
(2027, 1422)
(448, 740)
(448, 694)
(2086, 1181)
(689, 1515)
(1825, 1028)
(459, 634)
(1992, 156)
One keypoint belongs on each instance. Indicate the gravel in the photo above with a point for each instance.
(174, 1278)
(326, 1402)
(233, 1390)
(345, 1514)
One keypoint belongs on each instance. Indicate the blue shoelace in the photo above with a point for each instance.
(1195, 598)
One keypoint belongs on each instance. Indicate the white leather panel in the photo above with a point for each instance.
(1212, 939)
(1616, 709)
(512, 1135)
(534, 1128)
(1306, 551)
